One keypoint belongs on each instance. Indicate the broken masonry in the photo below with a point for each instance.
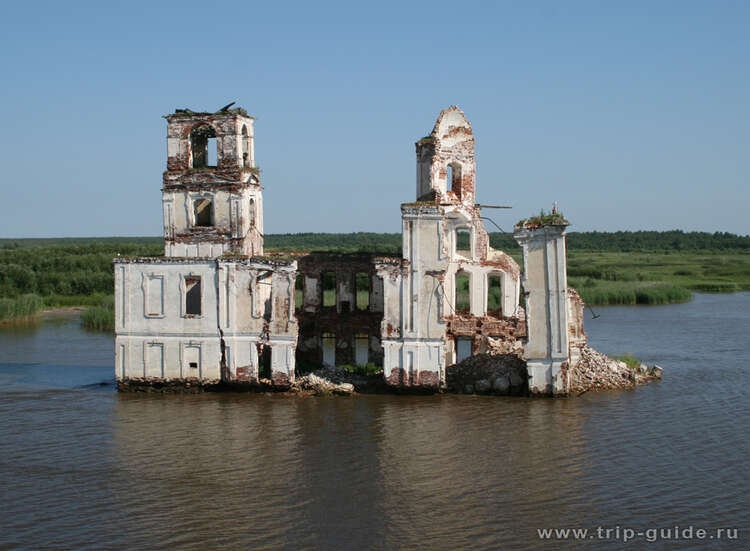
(216, 309)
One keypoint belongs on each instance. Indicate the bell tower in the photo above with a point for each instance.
(211, 196)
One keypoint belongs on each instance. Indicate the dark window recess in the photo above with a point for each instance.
(329, 289)
(202, 141)
(204, 212)
(193, 296)
(264, 361)
(454, 178)
(245, 147)
(194, 365)
(362, 286)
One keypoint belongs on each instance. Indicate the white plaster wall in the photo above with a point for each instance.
(132, 358)
(545, 282)
(141, 326)
(131, 296)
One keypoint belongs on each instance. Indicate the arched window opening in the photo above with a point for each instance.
(204, 146)
(329, 289)
(463, 292)
(463, 242)
(203, 212)
(362, 284)
(454, 178)
(495, 295)
(245, 147)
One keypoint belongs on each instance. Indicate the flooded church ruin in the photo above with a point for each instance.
(217, 309)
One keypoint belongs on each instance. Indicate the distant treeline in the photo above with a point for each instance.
(621, 241)
(36, 273)
(675, 240)
(76, 267)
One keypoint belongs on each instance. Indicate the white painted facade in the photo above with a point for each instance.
(210, 309)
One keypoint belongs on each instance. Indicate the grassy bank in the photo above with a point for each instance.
(656, 277)
(100, 317)
(22, 307)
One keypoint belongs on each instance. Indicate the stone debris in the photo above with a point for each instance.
(488, 374)
(330, 380)
(596, 371)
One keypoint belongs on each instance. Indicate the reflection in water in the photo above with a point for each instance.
(83, 467)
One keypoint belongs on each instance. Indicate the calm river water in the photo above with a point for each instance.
(83, 467)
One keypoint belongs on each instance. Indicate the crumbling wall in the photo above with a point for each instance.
(423, 325)
(232, 186)
(577, 338)
(257, 312)
(352, 322)
(448, 148)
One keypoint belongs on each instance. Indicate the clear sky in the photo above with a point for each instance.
(631, 115)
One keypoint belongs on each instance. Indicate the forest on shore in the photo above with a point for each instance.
(643, 267)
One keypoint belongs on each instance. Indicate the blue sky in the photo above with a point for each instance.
(631, 115)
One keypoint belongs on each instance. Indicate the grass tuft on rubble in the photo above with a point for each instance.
(631, 361)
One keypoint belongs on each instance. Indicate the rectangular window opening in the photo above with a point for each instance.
(329, 348)
(213, 152)
(264, 361)
(495, 295)
(362, 287)
(204, 215)
(329, 289)
(193, 296)
(361, 349)
(463, 349)
(463, 242)
(463, 293)
(299, 290)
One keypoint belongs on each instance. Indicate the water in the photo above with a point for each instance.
(83, 467)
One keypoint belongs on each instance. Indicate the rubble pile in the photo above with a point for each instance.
(488, 374)
(596, 371)
(331, 380)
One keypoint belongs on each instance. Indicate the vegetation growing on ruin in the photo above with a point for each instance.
(544, 219)
(631, 361)
(366, 369)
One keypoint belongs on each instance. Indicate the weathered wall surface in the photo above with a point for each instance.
(449, 297)
(198, 315)
(424, 328)
(243, 307)
(232, 186)
(545, 284)
(256, 310)
(156, 338)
